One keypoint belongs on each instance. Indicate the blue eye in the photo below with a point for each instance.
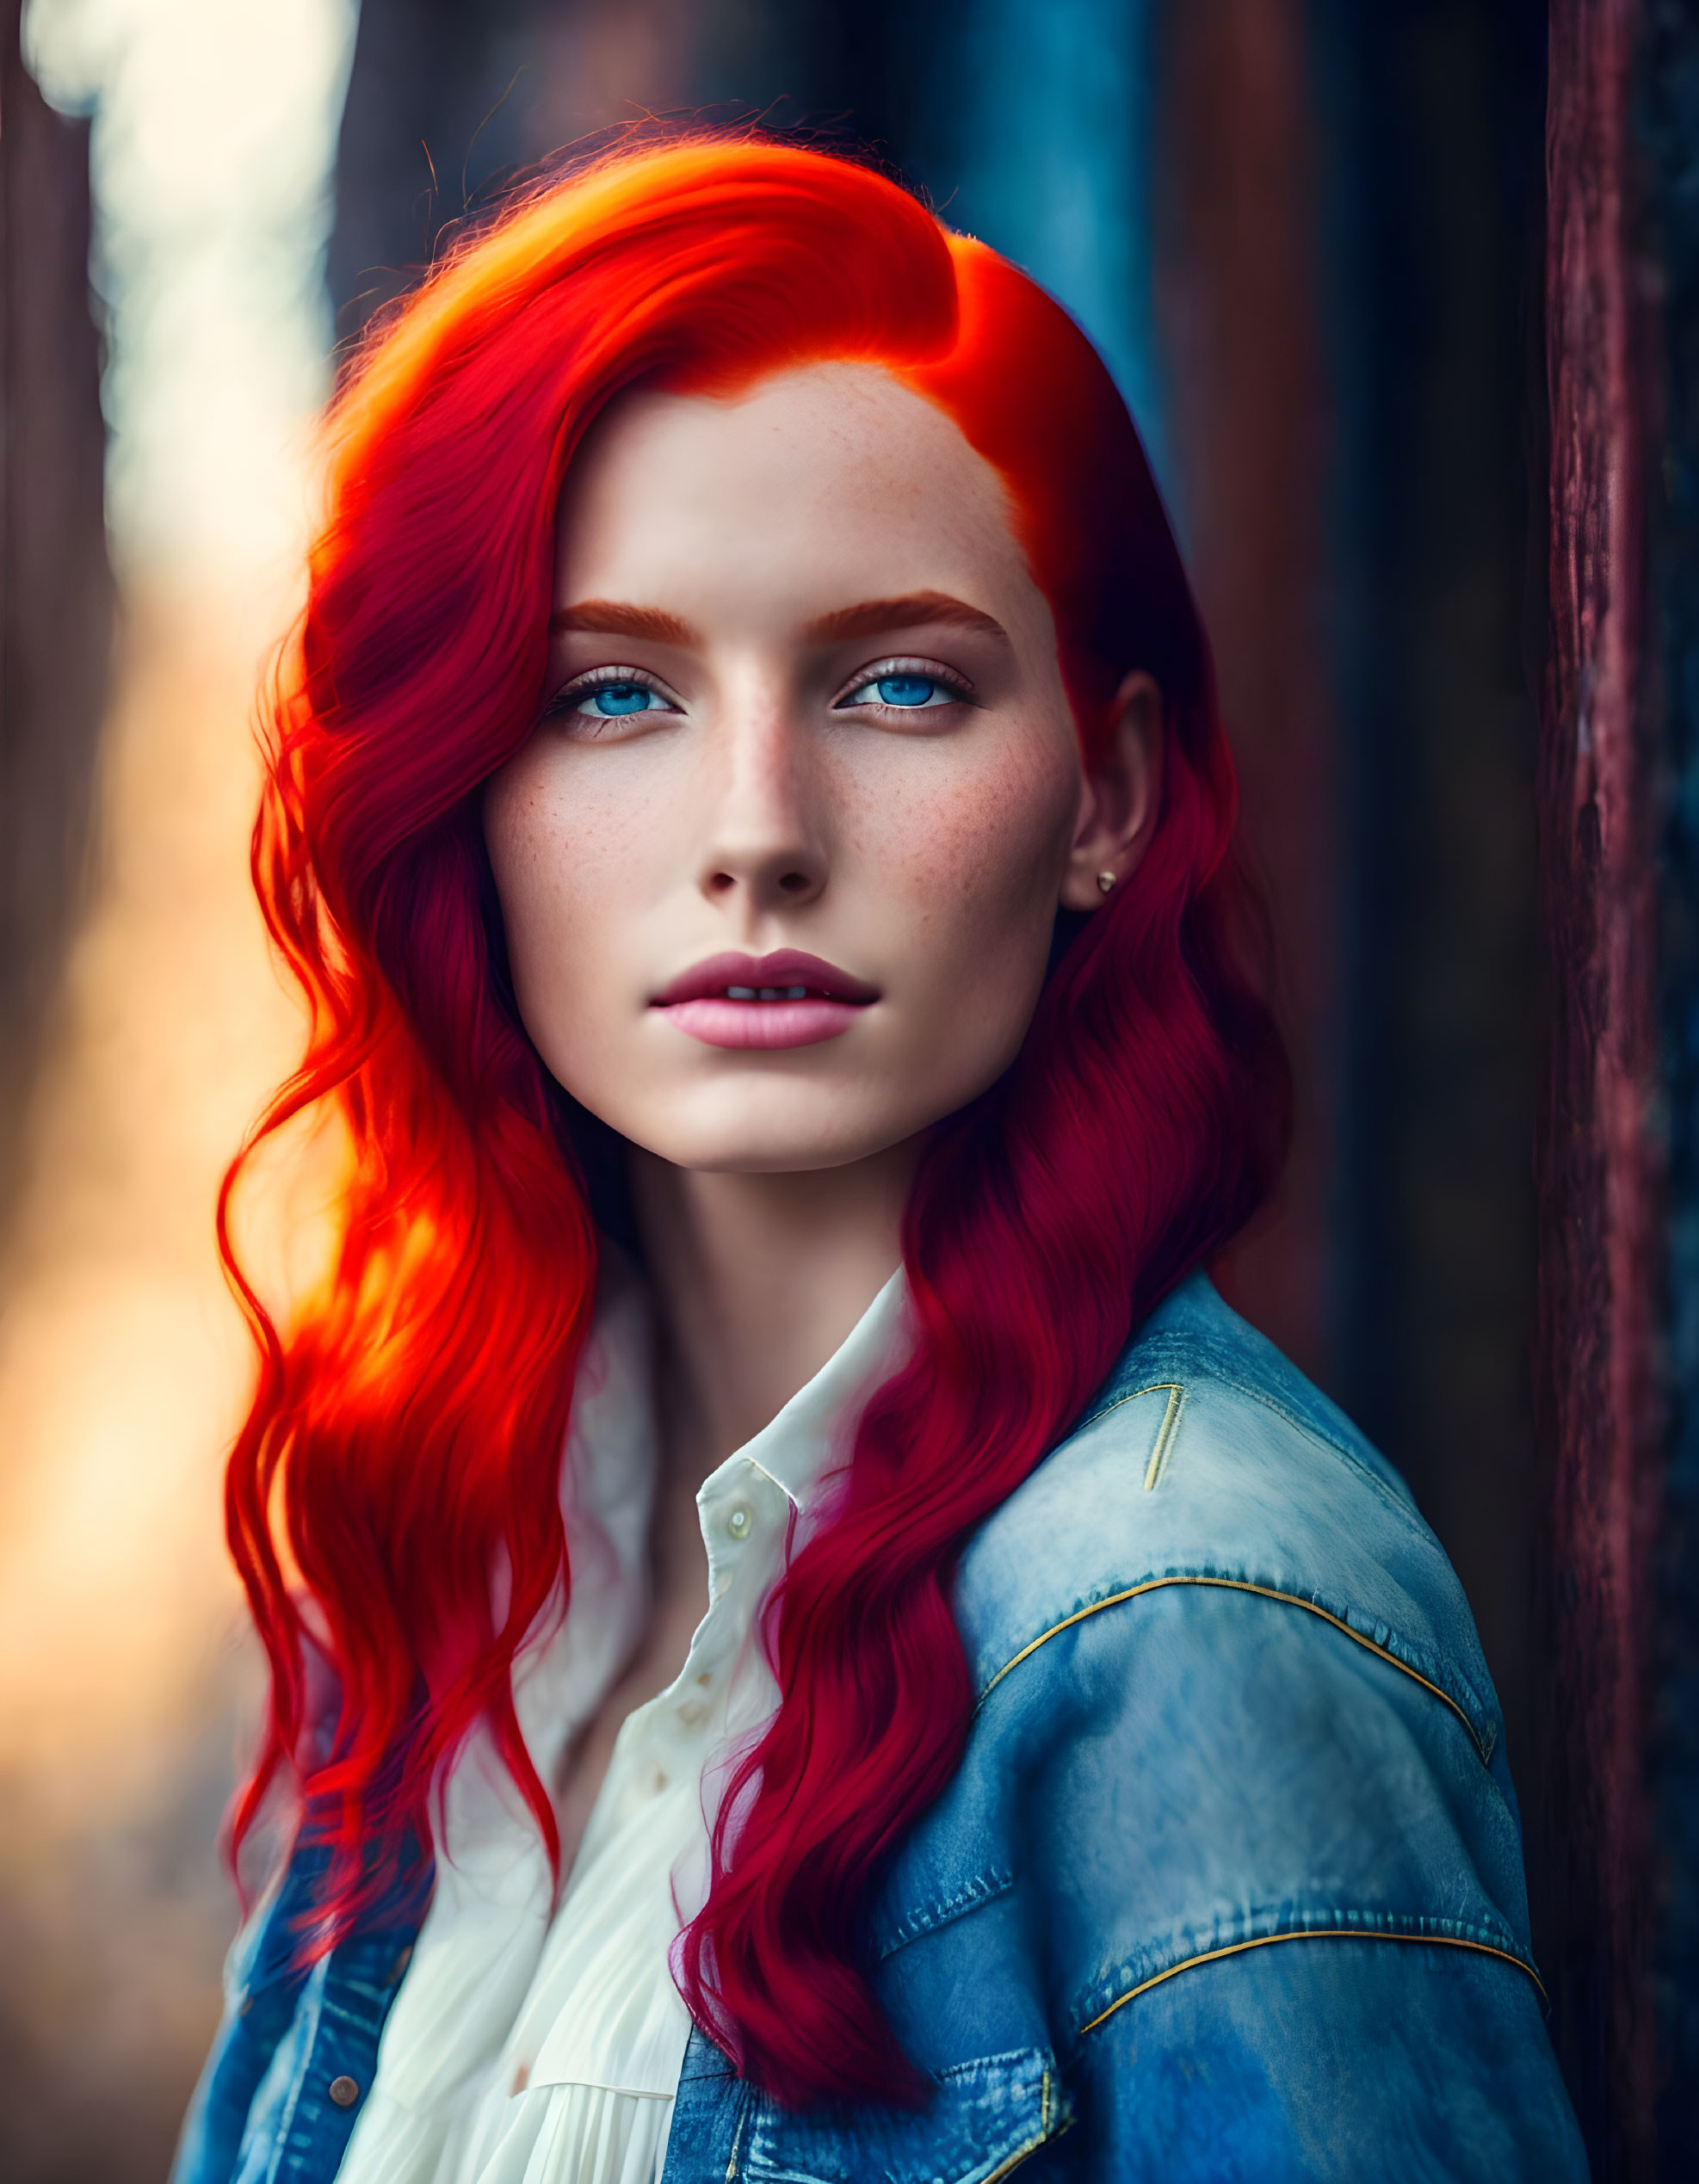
(620, 695)
(903, 693)
(905, 689)
(613, 699)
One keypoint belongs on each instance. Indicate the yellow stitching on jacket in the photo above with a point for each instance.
(1152, 1387)
(1014, 2162)
(1313, 1934)
(1233, 1585)
(1032, 2145)
(1165, 1432)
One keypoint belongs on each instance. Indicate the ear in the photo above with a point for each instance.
(1120, 798)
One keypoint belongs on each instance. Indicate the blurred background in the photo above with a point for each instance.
(1308, 234)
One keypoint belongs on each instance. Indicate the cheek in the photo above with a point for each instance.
(987, 846)
(557, 867)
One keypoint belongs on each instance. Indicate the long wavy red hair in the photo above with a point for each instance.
(406, 1437)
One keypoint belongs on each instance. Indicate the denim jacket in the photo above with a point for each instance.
(1228, 1883)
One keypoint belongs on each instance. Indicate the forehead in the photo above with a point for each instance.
(833, 480)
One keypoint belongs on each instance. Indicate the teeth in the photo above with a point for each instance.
(767, 993)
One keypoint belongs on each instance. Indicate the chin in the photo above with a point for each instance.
(746, 1153)
(755, 1139)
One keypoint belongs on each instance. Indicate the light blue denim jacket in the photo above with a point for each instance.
(1228, 1884)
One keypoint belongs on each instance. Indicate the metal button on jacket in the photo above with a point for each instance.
(344, 2092)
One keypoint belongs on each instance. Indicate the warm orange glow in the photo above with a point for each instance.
(123, 1362)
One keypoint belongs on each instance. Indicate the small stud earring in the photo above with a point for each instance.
(1105, 882)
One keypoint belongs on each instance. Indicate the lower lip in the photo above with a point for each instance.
(763, 1026)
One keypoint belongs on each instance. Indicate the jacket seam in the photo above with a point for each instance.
(1045, 2134)
(1219, 1372)
(286, 2122)
(1166, 1435)
(986, 1887)
(1176, 1392)
(1482, 1746)
(1316, 1933)
(1055, 2116)
(1165, 1432)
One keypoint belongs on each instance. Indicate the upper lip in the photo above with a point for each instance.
(707, 980)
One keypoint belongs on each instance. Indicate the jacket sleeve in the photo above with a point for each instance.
(295, 2053)
(1282, 1908)
(263, 1990)
(1354, 2058)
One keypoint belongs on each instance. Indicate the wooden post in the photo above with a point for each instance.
(1595, 1391)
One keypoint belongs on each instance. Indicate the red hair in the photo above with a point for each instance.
(406, 1437)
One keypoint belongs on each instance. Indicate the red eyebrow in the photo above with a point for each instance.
(873, 616)
(608, 618)
(612, 618)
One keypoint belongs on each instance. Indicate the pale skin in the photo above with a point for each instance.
(742, 586)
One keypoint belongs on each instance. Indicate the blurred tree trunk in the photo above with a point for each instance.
(1595, 1390)
(55, 587)
(1668, 128)
(1236, 304)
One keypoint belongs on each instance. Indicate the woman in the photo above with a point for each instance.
(748, 813)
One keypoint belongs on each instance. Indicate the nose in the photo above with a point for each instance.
(764, 845)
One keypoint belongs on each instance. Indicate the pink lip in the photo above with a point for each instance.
(699, 1004)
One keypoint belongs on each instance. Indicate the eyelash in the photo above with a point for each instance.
(958, 686)
(601, 678)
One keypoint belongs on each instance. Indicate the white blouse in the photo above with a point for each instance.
(540, 2043)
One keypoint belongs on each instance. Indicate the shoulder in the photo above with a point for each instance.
(1207, 1462)
(1231, 1697)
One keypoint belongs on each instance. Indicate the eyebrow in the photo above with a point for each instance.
(608, 618)
(612, 618)
(875, 616)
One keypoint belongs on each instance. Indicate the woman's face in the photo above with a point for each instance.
(780, 864)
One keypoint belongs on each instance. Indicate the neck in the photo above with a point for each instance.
(758, 1280)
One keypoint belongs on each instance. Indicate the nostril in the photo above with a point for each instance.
(720, 881)
(795, 882)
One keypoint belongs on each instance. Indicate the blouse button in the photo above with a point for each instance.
(344, 2092)
(738, 1524)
